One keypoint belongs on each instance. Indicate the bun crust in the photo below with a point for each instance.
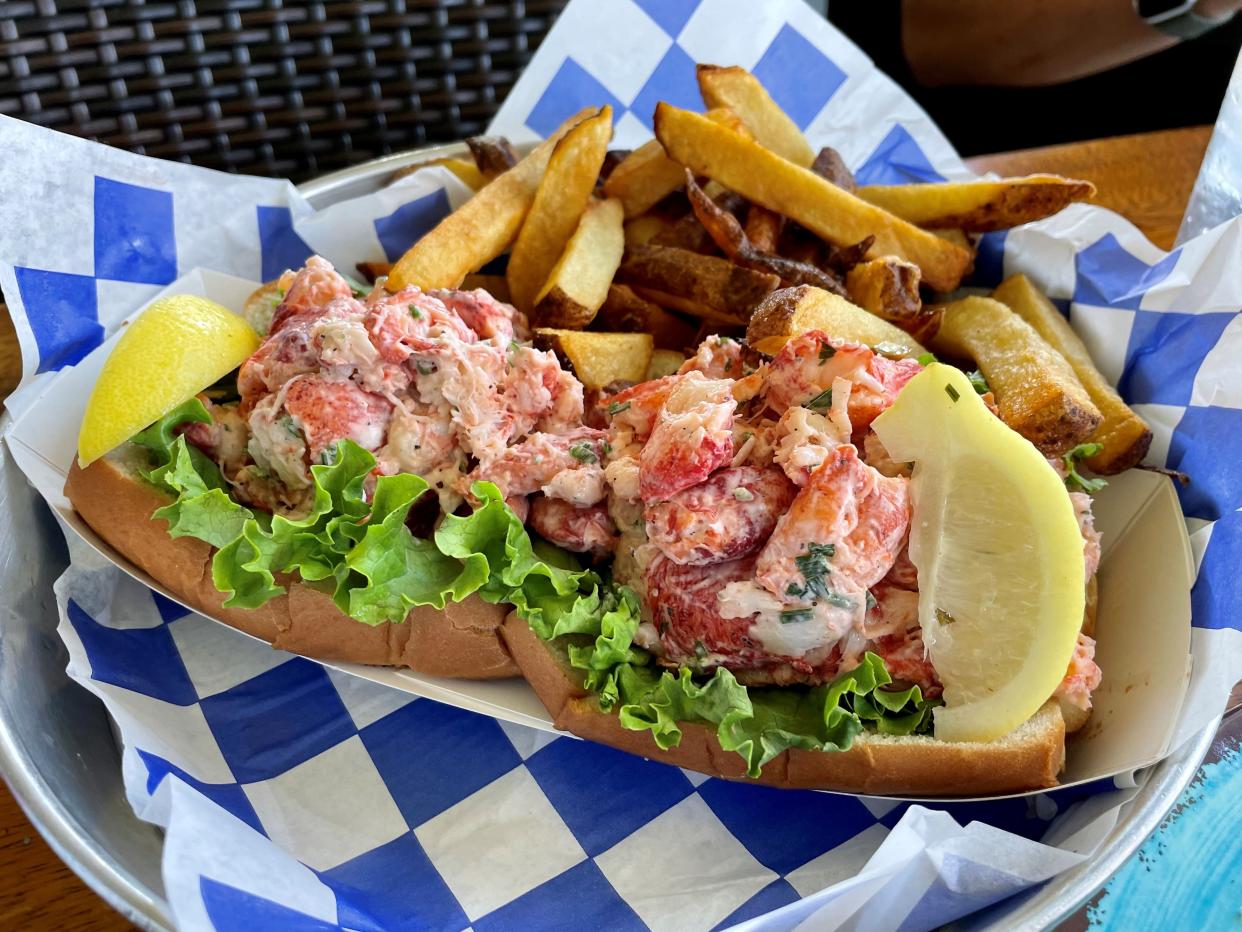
(462, 641)
(1027, 759)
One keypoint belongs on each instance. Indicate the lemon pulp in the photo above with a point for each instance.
(176, 348)
(998, 551)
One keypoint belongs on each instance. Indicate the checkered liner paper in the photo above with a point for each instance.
(294, 796)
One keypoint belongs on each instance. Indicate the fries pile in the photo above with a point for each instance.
(730, 222)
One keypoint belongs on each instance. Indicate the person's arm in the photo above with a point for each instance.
(1028, 42)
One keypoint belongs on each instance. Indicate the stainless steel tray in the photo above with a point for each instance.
(59, 757)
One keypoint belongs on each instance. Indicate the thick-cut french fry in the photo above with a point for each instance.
(705, 286)
(466, 171)
(578, 283)
(778, 184)
(1124, 435)
(642, 229)
(599, 359)
(495, 285)
(482, 228)
(646, 176)
(978, 206)
(1036, 390)
(789, 312)
(493, 155)
(740, 91)
(889, 288)
(664, 362)
(559, 202)
(763, 228)
(829, 165)
(626, 312)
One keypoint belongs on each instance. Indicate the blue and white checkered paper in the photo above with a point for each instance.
(296, 796)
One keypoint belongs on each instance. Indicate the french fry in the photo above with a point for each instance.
(482, 228)
(830, 166)
(578, 283)
(558, 205)
(789, 312)
(835, 215)
(1124, 435)
(493, 155)
(740, 91)
(495, 285)
(626, 312)
(646, 176)
(730, 238)
(643, 229)
(1036, 390)
(599, 359)
(978, 206)
(664, 362)
(889, 288)
(467, 172)
(704, 286)
(763, 228)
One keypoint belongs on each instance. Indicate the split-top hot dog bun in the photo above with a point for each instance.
(460, 641)
(1028, 758)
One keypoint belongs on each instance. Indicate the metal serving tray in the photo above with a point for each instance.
(59, 756)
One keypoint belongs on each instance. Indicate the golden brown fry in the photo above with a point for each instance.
(642, 229)
(578, 283)
(705, 286)
(558, 205)
(664, 362)
(1036, 390)
(763, 228)
(1124, 435)
(482, 228)
(830, 166)
(494, 155)
(495, 285)
(789, 312)
(730, 238)
(777, 184)
(598, 359)
(626, 312)
(740, 91)
(889, 288)
(646, 176)
(978, 206)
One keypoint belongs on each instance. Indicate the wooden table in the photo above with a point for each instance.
(1147, 178)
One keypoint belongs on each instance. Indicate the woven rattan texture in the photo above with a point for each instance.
(265, 87)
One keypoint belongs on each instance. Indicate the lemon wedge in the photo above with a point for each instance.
(999, 555)
(176, 348)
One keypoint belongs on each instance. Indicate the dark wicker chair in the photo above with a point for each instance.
(262, 86)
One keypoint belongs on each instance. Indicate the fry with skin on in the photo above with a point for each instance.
(646, 176)
(763, 228)
(730, 238)
(704, 286)
(688, 233)
(889, 288)
(979, 206)
(829, 165)
(558, 204)
(578, 283)
(1124, 436)
(482, 228)
(789, 312)
(598, 359)
(624, 311)
(1036, 390)
(740, 91)
(837, 216)
(493, 155)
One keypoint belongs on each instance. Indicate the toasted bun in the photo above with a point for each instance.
(460, 641)
(1027, 759)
